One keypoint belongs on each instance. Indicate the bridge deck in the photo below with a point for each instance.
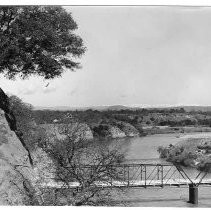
(131, 183)
(137, 175)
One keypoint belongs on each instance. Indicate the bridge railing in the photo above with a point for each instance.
(134, 175)
(141, 175)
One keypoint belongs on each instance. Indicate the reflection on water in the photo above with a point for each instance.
(146, 148)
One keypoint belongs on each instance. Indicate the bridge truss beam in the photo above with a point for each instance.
(148, 175)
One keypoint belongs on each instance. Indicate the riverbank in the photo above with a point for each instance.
(145, 148)
(129, 123)
(113, 132)
(120, 132)
(150, 130)
(193, 150)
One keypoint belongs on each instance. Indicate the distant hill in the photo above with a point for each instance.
(122, 107)
(60, 108)
(186, 108)
(66, 108)
(196, 108)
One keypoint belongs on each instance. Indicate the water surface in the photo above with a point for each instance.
(146, 148)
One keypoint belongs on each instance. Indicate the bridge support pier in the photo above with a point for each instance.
(193, 194)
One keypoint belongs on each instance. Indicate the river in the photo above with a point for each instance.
(146, 148)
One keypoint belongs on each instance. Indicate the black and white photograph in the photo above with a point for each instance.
(105, 105)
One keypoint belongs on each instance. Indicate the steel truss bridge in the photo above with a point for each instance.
(145, 175)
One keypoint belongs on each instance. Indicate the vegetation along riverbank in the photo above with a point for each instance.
(192, 151)
(118, 123)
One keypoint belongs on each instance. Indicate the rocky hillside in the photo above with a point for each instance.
(116, 129)
(16, 171)
(127, 128)
(84, 132)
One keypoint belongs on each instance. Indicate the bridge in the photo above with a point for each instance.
(145, 175)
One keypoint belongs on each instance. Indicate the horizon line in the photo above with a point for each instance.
(127, 105)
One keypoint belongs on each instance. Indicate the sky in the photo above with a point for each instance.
(136, 56)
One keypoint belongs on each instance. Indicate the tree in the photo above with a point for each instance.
(38, 40)
(26, 128)
(22, 111)
(86, 163)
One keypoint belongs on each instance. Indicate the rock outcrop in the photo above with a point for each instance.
(115, 132)
(128, 129)
(16, 172)
(117, 129)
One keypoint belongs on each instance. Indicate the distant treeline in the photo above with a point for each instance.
(144, 117)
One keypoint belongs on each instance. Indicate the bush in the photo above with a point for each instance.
(163, 152)
(177, 154)
(101, 130)
(28, 132)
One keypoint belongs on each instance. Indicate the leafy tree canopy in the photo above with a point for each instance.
(38, 40)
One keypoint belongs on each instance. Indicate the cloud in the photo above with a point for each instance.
(73, 92)
(123, 96)
(35, 88)
(28, 90)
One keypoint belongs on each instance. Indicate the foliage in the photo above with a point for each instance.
(191, 152)
(69, 157)
(38, 40)
(178, 155)
(205, 164)
(138, 118)
(27, 129)
(99, 122)
(21, 110)
(163, 151)
(101, 131)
